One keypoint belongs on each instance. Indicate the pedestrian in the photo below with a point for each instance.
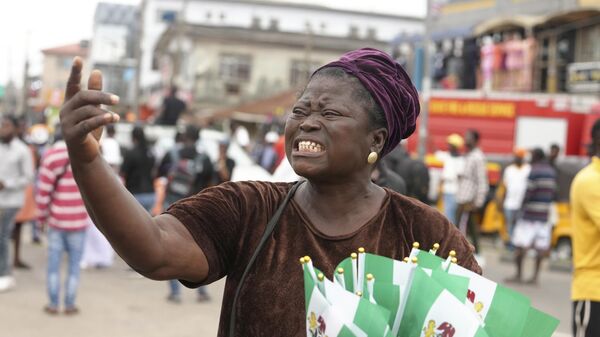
(384, 177)
(63, 212)
(472, 188)
(27, 213)
(585, 219)
(533, 230)
(454, 164)
(111, 150)
(16, 173)
(414, 172)
(352, 112)
(172, 108)
(139, 169)
(514, 181)
(553, 155)
(188, 172)
(225, 164)
(268, 155)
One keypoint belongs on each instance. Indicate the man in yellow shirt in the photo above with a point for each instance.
(585, 217)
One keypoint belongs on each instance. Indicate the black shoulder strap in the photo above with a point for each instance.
(268, 230)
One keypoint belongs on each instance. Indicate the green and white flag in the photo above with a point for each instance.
(432, 311)
(539, 324)
(337, 312)
(455, 284)
(426, 259)
(495, 304)
(392, 278)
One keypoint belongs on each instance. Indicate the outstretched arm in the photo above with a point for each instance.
(159, 247)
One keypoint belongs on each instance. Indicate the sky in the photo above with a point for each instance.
(28, 26)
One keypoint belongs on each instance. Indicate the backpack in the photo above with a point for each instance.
(183, 174)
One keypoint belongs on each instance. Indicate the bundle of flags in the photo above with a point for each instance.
(424, 295)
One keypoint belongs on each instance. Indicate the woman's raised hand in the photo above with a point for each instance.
(81, 116)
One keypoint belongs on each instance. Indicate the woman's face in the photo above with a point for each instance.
(327, 135)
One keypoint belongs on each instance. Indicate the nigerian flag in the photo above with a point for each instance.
(456, 285)
(332, 311)
(431, 311)
(426, 259)
(539, 324)
(495, 304)
(392, 278)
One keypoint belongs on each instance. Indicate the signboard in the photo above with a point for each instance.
(584, 77)
(472, 108)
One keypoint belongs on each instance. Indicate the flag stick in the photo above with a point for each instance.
(339, 277)
(361, 269)
(353, 258)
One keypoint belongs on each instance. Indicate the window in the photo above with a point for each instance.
(63, 62)
(353, 32)
(589, 47)
(166, 16)
(299, 72)
(371, 33)
(274, 24)
(255, 22)
(235, 67)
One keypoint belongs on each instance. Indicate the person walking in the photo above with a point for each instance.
(585, 219)
(514, 181)
(533, 230)
(62, 210)
(472, 188)
(16, 173)
(172, 108)
(138, 169)
(188, 172)
(454, 164)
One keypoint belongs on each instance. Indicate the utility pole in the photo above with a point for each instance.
(137, 92)
(426, 91)
(24, 111)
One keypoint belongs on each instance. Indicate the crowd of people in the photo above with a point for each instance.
(37, 186)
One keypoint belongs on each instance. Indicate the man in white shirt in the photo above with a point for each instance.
(111, 150)
(16, 172)
(514, 181)
(454, 164)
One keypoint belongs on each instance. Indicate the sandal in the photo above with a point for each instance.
(50, 310)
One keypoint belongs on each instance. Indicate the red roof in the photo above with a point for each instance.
(74, 49)
(274, 105)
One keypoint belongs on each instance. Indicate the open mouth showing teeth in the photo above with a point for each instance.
(308, 146)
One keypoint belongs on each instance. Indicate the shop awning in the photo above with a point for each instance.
(562, 18)
(503, 24)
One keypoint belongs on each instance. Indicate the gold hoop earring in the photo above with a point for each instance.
(372, 158)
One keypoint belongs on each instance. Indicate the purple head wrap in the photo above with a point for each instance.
(390, 87)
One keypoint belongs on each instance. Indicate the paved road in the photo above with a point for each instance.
(116, 302)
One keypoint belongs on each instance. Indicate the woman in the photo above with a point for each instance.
(351, 112)
(138, 169)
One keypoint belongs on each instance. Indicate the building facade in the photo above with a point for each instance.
(113, 48)
(56, 69)
(158, 15)
(222, 66)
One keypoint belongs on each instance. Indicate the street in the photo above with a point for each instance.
(118, 302)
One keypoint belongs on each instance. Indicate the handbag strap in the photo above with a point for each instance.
(268, 230)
